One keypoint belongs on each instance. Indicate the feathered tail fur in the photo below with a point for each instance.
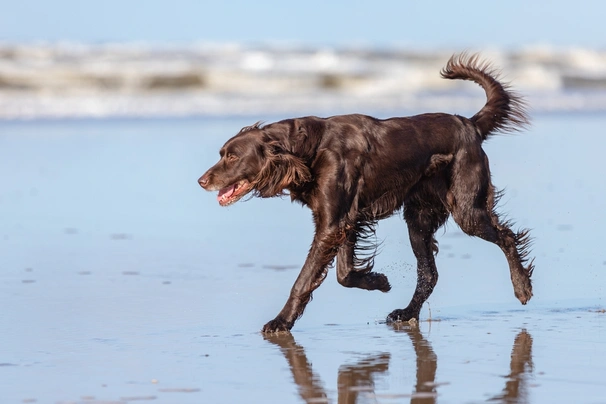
(505, 111)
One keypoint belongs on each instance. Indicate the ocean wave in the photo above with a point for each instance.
(77, 80)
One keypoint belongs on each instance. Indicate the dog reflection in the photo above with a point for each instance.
(357, 380)
(516, 386)
(427, 365)
(353, 380)
(307, 381)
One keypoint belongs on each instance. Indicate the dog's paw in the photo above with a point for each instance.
(381, 282)
(524, 293)
(522, 287)
(368, 281)
(402, 315)
(277, 325)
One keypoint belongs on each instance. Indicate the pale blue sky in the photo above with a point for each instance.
(416, 23)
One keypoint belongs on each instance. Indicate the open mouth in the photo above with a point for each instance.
(232, 193)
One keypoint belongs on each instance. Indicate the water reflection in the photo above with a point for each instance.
(308, 382)
(357, 380)
(353, 379)
(427, 365)
(516, 387)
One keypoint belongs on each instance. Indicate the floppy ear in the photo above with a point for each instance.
(281, 171)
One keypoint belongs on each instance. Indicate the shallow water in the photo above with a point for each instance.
(122, 281)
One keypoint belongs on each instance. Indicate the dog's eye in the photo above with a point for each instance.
(231, 157)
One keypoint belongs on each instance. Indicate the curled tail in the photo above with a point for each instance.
(505, 111)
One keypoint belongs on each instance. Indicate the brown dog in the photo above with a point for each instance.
(353, 170)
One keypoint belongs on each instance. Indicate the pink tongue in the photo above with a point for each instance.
(226, 192)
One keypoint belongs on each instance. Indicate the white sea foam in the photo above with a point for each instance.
(77, 80)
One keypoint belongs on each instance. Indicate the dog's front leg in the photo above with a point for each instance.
(334, 201)
(322, 252)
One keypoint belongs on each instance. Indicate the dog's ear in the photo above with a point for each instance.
(281, 171)
(295, 172)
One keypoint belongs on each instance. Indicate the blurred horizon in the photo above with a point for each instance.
(69, 80)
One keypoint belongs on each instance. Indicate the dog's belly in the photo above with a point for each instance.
(389, 201)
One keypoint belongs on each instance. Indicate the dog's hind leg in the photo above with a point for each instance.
(472, 199)
(424, 214)
(350, 276)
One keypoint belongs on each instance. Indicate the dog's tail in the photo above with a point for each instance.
(505, 111)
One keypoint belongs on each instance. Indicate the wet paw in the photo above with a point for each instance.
(368, 281)
(277, 325)
(524, 295)
(376, 281)
(523, 290)
(402, 315)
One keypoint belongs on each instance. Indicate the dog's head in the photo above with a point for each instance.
(257, 159)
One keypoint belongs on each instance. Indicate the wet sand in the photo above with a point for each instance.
(121, 281)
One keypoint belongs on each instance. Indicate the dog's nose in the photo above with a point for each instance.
(203, 181)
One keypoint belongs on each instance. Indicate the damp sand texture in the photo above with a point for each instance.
(122, 281)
